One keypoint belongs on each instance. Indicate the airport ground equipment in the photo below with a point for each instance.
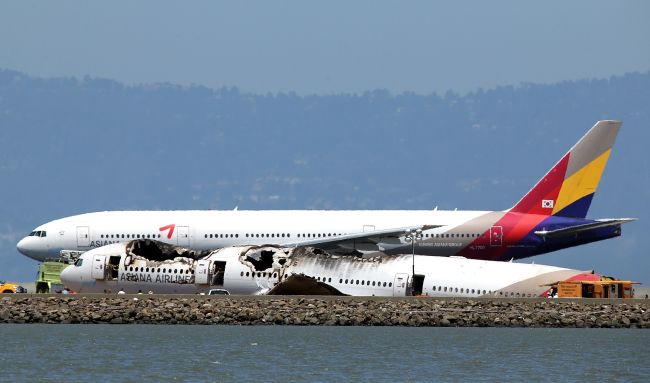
(49, 276)
(605, 288)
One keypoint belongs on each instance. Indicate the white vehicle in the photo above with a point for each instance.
(218, 292)
(551, 216)
(253, 270)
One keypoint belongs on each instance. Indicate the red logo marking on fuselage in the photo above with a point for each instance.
(170, 228)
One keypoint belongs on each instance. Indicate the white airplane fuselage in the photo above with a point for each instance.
(214, 229)
(384, 275)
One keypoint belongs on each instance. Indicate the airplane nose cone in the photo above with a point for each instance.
(22, 247)
(70, 278)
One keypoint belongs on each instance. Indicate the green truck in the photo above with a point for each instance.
(49, 277)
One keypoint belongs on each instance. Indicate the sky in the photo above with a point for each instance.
(327, 47)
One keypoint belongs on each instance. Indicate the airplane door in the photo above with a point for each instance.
(496, 235)
(183, 235)
(83, 236)
(399, 284)
(202, 274)
(98, 270)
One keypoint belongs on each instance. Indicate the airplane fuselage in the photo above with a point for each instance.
(487, 235)
(251, 270)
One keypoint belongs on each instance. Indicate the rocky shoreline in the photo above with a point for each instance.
(328, 311)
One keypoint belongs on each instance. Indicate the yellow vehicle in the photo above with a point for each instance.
(596, 289)
(11, 288)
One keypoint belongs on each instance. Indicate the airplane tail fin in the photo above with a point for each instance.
(568, 188)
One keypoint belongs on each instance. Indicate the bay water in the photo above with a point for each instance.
(141, 353)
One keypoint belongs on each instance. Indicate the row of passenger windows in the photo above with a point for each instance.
(462, 290)
(158, 270)
(454, 235)
(479, 291)
(267, 235)
(222, 236)
(364, 283)
(117, 236)
(260, 274)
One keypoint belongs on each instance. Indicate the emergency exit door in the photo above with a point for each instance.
(202, 272)
(83, 236)
(183, 235)
(98, 267)
(496, 235)
(399, 284)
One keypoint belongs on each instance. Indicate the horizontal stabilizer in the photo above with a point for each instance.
(588, 226)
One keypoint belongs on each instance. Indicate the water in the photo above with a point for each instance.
(137, 353)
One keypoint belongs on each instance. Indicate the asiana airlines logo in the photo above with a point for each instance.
(547, 204)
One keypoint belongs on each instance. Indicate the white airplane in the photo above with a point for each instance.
(144, 265)
(551, 216)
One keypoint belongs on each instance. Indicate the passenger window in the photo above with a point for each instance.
(390, 284)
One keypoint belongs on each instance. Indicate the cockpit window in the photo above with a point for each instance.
(38, 233)
(43, 233)
(79, 262)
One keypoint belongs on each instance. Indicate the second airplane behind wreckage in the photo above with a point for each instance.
(145, 265)
(551, 216)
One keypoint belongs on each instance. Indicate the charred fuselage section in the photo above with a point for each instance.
(265, 269)
(159, 251)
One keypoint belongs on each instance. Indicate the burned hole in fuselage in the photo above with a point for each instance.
(159, 251)
(261, 260)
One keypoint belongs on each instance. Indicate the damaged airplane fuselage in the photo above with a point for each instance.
(142, 266)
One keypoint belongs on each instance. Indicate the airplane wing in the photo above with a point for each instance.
(374, 237)
(578, 228)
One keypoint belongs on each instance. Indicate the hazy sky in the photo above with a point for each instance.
(327, 46)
